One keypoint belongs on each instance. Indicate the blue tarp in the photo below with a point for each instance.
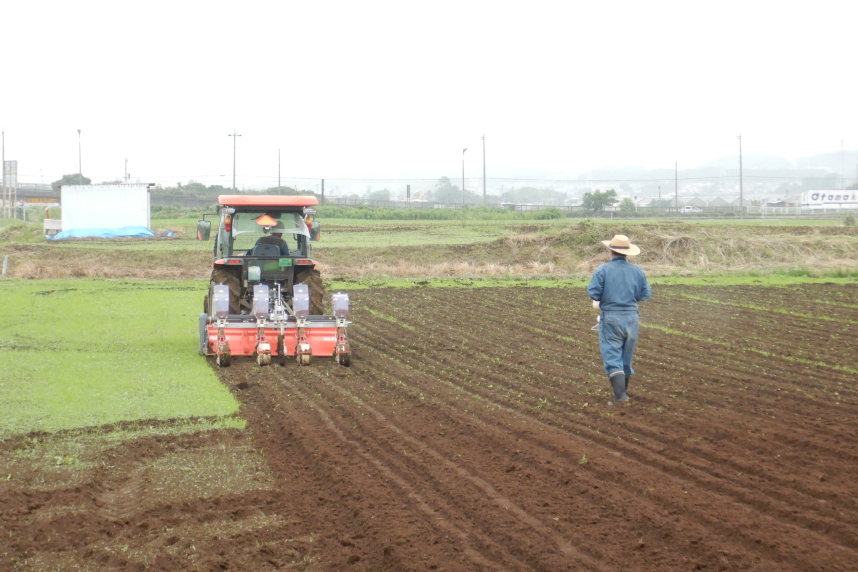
(104, 232)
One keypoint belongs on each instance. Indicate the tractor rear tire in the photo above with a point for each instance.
(312, 278)
(223, 276)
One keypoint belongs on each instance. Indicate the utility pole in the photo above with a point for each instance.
(235, 137)
(126, 171)
(5, 198)
(741, 193)
(278, 171)
(79, 162)
(484, 169)
(463, 176)
(323, 191)
(676, 185)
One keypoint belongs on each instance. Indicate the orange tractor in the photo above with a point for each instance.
(266, 297)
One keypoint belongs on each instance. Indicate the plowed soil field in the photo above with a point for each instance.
(473, 432)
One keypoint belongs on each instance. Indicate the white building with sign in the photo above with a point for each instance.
(847, 199)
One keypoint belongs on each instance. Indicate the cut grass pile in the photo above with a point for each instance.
(86, 353)
(12, 230)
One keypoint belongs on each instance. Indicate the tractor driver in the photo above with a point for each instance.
(276, 239)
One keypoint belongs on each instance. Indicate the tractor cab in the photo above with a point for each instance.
(253, 232)
(252, 229)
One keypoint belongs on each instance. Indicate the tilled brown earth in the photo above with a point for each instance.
(472, 432)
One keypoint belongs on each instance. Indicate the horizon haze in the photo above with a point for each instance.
(393, 91)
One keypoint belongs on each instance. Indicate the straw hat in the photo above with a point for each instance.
(620, 244)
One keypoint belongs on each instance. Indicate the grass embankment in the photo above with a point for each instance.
(472, 249)
(574, 250)
(87, 353)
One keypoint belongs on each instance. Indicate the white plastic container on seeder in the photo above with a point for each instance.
(254, 274)
(340, 302)
(260, 300)
(221, 300)
(301, 300)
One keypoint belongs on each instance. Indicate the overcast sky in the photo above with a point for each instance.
(398, 89)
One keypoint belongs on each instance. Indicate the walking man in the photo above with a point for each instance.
(617, 287)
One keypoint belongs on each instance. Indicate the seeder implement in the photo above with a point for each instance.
(221, 304)
(301, 306)
(341, 312)
(297, 333)
(260, 310)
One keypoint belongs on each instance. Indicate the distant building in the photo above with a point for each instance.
(785, 202)
(830, 199)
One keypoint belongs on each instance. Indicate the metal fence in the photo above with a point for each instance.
(771, 211)
(34, 187)
(577, 210)
(185, 202)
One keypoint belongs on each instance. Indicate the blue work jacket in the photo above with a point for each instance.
(619, 285)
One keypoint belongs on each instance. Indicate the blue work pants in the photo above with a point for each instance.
(618, 334)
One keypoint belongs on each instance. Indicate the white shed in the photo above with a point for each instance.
(105, 206)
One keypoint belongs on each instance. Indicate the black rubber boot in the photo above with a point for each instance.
(628, 377)
(618, 384)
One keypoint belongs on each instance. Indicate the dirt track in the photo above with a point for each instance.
(473, 433)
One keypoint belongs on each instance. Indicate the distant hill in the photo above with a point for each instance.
(750, 162)
(837, 161)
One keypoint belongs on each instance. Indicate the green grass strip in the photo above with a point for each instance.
(755, 279)
(547, 282)
(367, 283)
(838, 304)
(744, 348)
(83, 353)
(391, 319)
(758, 308)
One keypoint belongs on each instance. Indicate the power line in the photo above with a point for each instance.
(580, 182)
(516, 179)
